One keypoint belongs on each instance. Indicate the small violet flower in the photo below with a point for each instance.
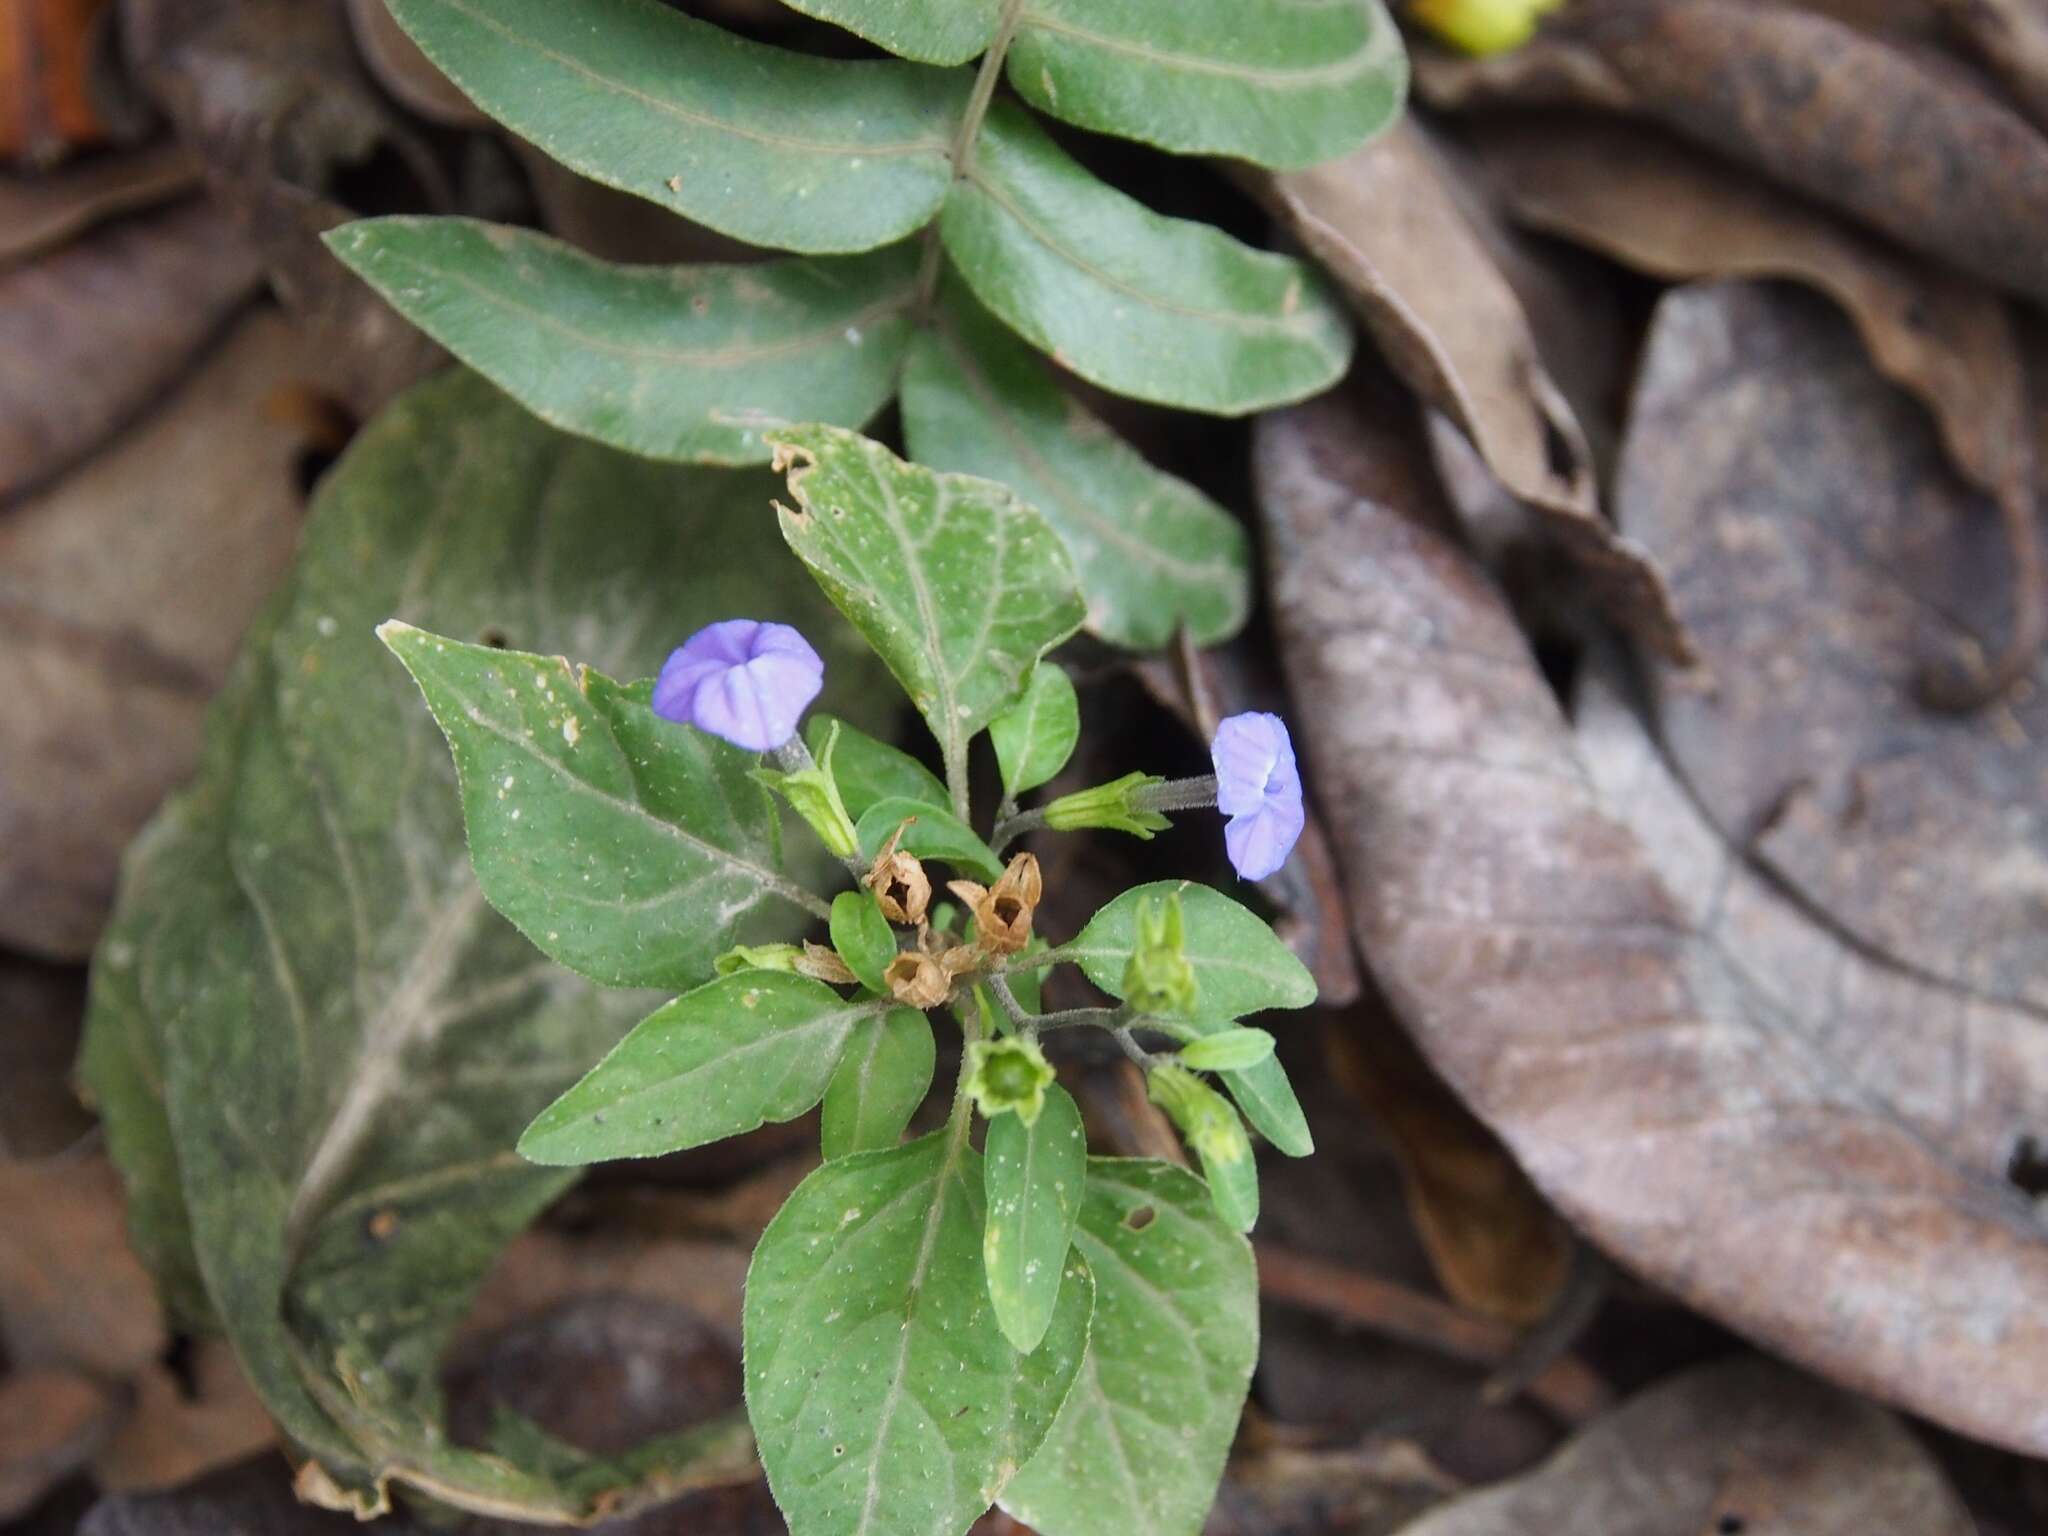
(743, 680)
(1259, 788)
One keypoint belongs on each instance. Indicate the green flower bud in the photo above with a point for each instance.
(1481, 26)
(1108, 806)
(1010, 1073)
(814, 795)
(1159, 978)
(757, 957)
(1205, 1118)
(1228, 1050)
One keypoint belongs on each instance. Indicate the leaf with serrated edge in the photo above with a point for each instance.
(1240, 966)
(867, 770)
(626, 846)
(687, 363)
(1033, 1176)
(1263, 1092)
(1159, 309)
(883, 1395)
(1152, 552)
(1034, 739)
(1272, 81)
(882, 1078)
(929, 31)
(931, 834)
(734, 1054)
(1139, 1447)
(777, 148)
(351, 1040)
(958, 586)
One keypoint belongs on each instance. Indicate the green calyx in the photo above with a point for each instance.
(1159, 977)
(814, 795)
(1231, 1050)
(1108, 806)
(1205, 1119)
(757, 957)
(1008, 1074)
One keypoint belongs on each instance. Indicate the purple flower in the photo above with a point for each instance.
(1259, 789)
(743, 680)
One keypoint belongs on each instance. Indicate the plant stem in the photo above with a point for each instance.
(1009, 828)
(962, 154)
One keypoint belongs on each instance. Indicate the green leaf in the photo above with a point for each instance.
(1159, 309)
(957, 585)
(934, 834)
(868, 770)
(1034, 739)
(347, 1040)
(1240, 966)
(626, 846)
(863, 937)
(1272, 81)
(929, 31)
(882, 1393)
(1262, 1091)
(772, 147)
(1228, 1050)
(734, 1054)
(1138, 1449)
(1152, 552)
(1033, 1176)
(685, 363)
(882, 1078)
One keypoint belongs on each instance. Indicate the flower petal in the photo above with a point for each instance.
(743, 680)
(1259, 844)
(1245, 750)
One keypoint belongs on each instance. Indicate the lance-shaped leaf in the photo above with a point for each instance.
(772, 147)
(687, 363)
(1139, 1445)
(732, 1055)
(931, 833)
(868, 770)
(882, 1393)
(1159, 309)
(929, 31)
(1240, 966)
(1263, 1091)
(1036, 736)
(1274, 81)
(626, 846)
(1151, 551)
(882, 1078)
(1033, 1176)
(958, 586)
(349, 1039)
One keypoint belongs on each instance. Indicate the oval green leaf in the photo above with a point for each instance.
(1227, 1050)
(1155, 308)
(683, 363)
(1240, 966)
(772, 147)
(883, 1395)
(1034, 739)
(1033, 1176)
(882, 1078)
(863, 937)
(1138, 1448)
(1272, 81)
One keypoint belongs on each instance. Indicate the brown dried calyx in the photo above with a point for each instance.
(901, 887)
(822, 964)
(1003, 913)
(917, 979)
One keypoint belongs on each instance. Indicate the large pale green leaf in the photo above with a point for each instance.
(881, 1080)
(626, 846)
(884, 1396)
(777, 148)
(1151, 551)
(1262, 1090)
(957, 585)
(1275, 81)
(1033, 1176)
(1139, 1447)
(930, 31)
(733, 1054)
(686, 363)
(1240, 965)
(346, 1038)
(1156, 308)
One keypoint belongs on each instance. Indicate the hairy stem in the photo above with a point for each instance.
(962, 154)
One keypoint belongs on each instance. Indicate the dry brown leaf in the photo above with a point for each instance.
(71, 1293)
(1386, 225)
(1745, 1151)
(544, 1267)
(41, 1010)
(38, 213)
(51, 1422)
(1741, 1447)
(1910, 145)
(2012, 37)
(92, 334)
(184, 1429)
(120, 608)
(46, 70)
(407, 73)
